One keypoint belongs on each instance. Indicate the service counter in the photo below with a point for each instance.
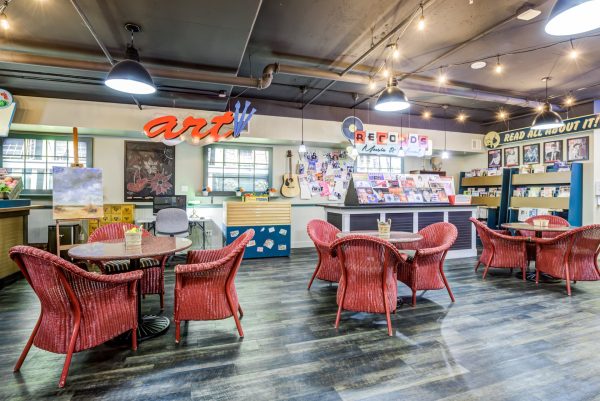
(410, 218)
(13, 231)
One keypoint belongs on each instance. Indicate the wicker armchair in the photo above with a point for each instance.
(79, 309)
(487, 250)
(368, 281)
(506, 252)
(425, 271)
(153, 281)
(323, 234)
(205, 288)
(572, 255)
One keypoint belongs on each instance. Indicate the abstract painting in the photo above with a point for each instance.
(149, 170)
(77, 193)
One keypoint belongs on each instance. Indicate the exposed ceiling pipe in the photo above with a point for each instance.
(157, 72)
(366, 54)
(88, 25)
(462, 45)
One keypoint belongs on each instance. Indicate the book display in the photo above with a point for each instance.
(380, 188)
(487, 190)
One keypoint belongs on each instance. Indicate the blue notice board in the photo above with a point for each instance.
(269, 241)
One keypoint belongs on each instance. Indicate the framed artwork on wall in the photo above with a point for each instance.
(553, 151)
(511, 156)
(578, 149)
(531, 153)
(494, 158)
(149, 170)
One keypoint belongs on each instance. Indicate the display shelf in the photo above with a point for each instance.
(487, 181)
(554, 178)
(539, 202)
(489, 201)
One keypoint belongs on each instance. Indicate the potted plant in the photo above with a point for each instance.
(272, 192)
(205, 191)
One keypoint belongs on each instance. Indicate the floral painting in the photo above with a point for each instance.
(149, 170)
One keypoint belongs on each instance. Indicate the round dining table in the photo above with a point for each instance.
(396, 237)
(538, 230)
(149, 326)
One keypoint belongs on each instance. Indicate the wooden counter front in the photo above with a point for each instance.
(13, 231)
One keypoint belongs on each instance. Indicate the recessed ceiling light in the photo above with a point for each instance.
(478, 65)
(529, 14)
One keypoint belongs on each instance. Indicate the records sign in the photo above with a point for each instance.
(391, 143)
(572, 125)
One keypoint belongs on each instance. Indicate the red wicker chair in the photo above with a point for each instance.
(572, 255)
(205, 288)
(485, 241)
(79, 309)
(506, 251)
(546, 234)
(323, 234)
(368, 281)
(153, 281)
(425, 271)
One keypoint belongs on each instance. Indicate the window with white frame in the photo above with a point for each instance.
(227, 168)
(32, 157)
(379, 164)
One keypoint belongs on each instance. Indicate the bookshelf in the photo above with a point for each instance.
(497, 205)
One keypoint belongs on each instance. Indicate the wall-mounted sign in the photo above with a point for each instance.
(494, 139)
(391, 143)
(350, 125)
(167, 126)
(6, 98)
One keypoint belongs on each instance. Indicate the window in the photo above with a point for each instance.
(379, 164)
(33, 156)
(227, 168)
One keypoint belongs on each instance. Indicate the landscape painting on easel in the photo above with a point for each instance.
(77, 193)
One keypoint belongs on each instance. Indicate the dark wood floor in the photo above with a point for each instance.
(502, 340)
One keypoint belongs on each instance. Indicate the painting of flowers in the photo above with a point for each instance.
(149, 170)
(77, 193)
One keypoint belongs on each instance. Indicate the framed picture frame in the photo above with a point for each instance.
(511, 156)
(531, 153)
(494, 158)
(149, 171)
(553, 151)
(578, 149)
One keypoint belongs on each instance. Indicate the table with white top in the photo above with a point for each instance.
(149, 223)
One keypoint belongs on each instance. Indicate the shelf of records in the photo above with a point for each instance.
(525, 213)
(382, 188)
(542, 192)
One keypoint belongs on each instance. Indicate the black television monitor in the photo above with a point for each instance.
(165, 202)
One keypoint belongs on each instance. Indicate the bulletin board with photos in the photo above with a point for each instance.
(382, 188)
(324, 174)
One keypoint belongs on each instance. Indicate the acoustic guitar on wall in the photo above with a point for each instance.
(291, 186)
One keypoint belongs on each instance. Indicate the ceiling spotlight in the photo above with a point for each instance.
(386, 72)
(478, 65)
(129, 75)
(571, 17)
(547, 118)
(502, 115)
(539, 107)
(426, 114)
(421, 23)
(372, 85)
(395, 52)
(461, 117)
(498, 68)
(4, 21)
(569, 101)
(442, 79)
(573, 53)
(392, 98)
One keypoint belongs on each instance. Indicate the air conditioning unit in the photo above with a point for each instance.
(6, 117)
(475, 144)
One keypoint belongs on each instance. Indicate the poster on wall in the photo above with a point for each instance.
(77, 193)
(511, 156)
(578, 149)
(553, 151)
(494, 158)
(149, 170)
(531, 153)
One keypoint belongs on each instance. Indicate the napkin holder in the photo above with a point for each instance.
(384, 228)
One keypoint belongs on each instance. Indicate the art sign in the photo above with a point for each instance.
(391, 143)
(199, 129)
(495, 139)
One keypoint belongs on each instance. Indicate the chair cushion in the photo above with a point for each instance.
(119, 266)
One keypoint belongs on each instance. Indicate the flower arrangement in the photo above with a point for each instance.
(133, 236)
(272, 191)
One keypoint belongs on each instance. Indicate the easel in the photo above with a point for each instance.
(75, 164)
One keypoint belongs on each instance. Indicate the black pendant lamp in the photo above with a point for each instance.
(571, 17)
(392, 98)
(129, 75)
(547, 118)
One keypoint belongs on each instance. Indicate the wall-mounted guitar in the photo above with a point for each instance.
(291, 186)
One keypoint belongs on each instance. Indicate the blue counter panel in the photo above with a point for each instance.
(14, 203)
(269, 241)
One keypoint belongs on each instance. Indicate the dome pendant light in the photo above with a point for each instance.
(547, 118)
(302, 147)
(571, 17)
(129, 75)
(392, 98)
